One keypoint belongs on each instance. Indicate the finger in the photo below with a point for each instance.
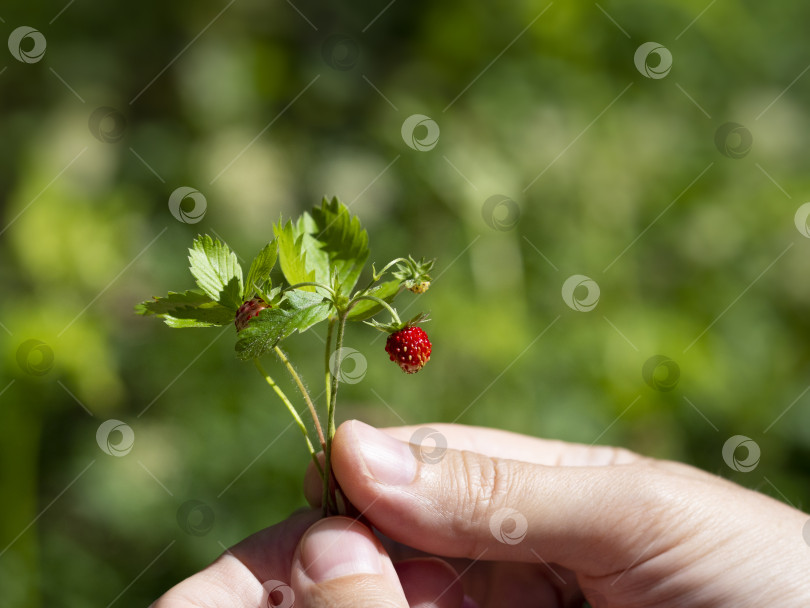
(435, 437)
(340, 564)
(246, 574)
(471, 505)
(513, 446)
(430, 583)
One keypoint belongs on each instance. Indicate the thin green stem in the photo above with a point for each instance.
(328, 501)
(379, 301)
(292, 411)
(327, 358)
(311, 284)
(304, 393)
(378, 275)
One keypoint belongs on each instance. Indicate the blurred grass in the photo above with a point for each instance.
(591, 184)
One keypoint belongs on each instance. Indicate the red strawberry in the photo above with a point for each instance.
(247, 311)
(409, 347)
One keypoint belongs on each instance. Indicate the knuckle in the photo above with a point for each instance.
(479, 486)
(659, 501)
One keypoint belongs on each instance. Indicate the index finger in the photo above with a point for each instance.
(511, 446)
(432, 439)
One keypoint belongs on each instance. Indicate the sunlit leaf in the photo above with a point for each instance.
(343, 239)
(260, 268)
(188, 309)
(217, 271)
(292, 253)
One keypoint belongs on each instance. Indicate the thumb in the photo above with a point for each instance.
(337, 557)
(339, 563)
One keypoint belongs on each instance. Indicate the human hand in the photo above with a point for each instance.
(316, 563)
(545, 521)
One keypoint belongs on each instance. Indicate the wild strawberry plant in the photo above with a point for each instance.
(321, 258)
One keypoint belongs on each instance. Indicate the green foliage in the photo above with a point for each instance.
(172, 302)
(299, 311)
(188, 309)
(293, 253)
(258, 277)
(343, 239)
(217, 271)
(326, 249)
(329, 241)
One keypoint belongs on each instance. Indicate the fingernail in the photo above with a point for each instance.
(389, 460)
(337, 547)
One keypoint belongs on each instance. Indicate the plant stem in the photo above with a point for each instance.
(290, 407)
(311, 284)
(327, 357)
(379, 301)
(328, 505)
(378, 275)
(304, 393)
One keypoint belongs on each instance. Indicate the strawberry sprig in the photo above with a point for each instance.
(321, 257)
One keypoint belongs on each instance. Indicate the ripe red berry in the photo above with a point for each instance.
(409, 347)
(247, 311)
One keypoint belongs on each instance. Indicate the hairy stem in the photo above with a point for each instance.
(304, 393)
(327, 358)
(292, 411)
(328, 500)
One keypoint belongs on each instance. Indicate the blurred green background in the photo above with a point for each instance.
(686, 227)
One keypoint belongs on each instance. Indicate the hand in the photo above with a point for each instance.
(545, 522)
(328, 563)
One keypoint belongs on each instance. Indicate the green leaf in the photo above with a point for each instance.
(329, 241)
(217, 271)
(299, 311)
(187, 309)
(317, 260)
(367, 308)
(209, 315)
(298, 298)
(343, 239)
(172, 301)
(260, 268)
(292, 253)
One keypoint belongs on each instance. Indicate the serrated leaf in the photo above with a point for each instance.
(172, 301)
(330, 240)
(292, 253)
(365, 309)
(188, 309)
(297, 312)
(260, 268)
(213, 315)
(317, 259)
(343, 239)
(216, 271)
(298, 298)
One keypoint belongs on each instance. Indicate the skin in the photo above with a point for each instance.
(518, 521)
